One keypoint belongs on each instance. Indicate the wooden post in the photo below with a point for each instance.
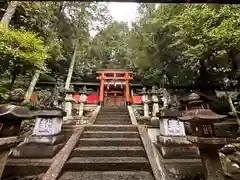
(127, 88)
(101, 88)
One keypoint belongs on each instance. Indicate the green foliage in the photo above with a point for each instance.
(32, 104)
(22, 48)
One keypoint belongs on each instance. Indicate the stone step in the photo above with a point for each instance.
(107, 175)
(112, 122)
(110, 142)
(113, 109)
(108, 151)
(113, 118)
(107, 163)
(112, 128)
(113, 114)
(110, 134)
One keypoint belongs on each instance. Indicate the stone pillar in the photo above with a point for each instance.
(83, 100)
(45, 136)
(145, 102)
(155, 108)
(69, 105)
(211, 162)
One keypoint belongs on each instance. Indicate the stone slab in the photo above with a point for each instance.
(50, 140)
(172, 127)
(206, 142)
(107, 175)
(153, 133)
(47, 126)
(35, 151)
(179, 152)
(107, 163)
(106, 151)
(173, 141)
(184, 167)
(3, 160)
(25, 167)
(50, 113)
(8, 142)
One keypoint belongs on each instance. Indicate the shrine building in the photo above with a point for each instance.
(113, 89)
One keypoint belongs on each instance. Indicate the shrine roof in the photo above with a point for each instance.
(72, 83)
(113, 70)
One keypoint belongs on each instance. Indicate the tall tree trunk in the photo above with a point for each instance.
(71, 68)
(54, 92)
(9, 12)
(233, 109)
(32, 85)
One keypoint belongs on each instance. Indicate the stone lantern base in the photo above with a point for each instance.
(176, 147)
(180, 158)
(45, 140)
(38, 147)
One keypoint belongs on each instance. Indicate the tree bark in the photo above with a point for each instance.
(233, 109)
(32, 85)
(71, 68)
(9, 12)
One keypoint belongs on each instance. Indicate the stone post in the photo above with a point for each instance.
(83, 100)
(145, 102)
(69, 104)
(155, 108)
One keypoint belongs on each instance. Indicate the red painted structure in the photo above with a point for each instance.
(114, 78)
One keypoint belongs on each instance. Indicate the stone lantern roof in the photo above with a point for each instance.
(200, 115)
(13, 112)
(169, 113)
(202, 96)
(70, 90)
(197, 113)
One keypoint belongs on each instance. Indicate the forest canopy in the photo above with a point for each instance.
(174, 44)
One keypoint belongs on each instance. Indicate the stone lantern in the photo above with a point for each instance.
(145, 101)
(178, 155)
(83, 99)
(69, 100)
(11, 117)
(155, 106)
(45, 136)
(203, 136)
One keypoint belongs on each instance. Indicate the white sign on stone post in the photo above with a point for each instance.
(47, 126)
(172, 127)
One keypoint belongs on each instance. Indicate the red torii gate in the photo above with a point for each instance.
(114, 76)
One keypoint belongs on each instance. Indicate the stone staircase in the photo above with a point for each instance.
(110, 149)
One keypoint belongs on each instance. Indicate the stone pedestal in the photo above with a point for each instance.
(208, 147)
(45, 140)
(178, 155)
(172, 141)
(5, 145)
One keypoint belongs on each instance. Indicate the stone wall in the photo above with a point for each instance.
(230, 157)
